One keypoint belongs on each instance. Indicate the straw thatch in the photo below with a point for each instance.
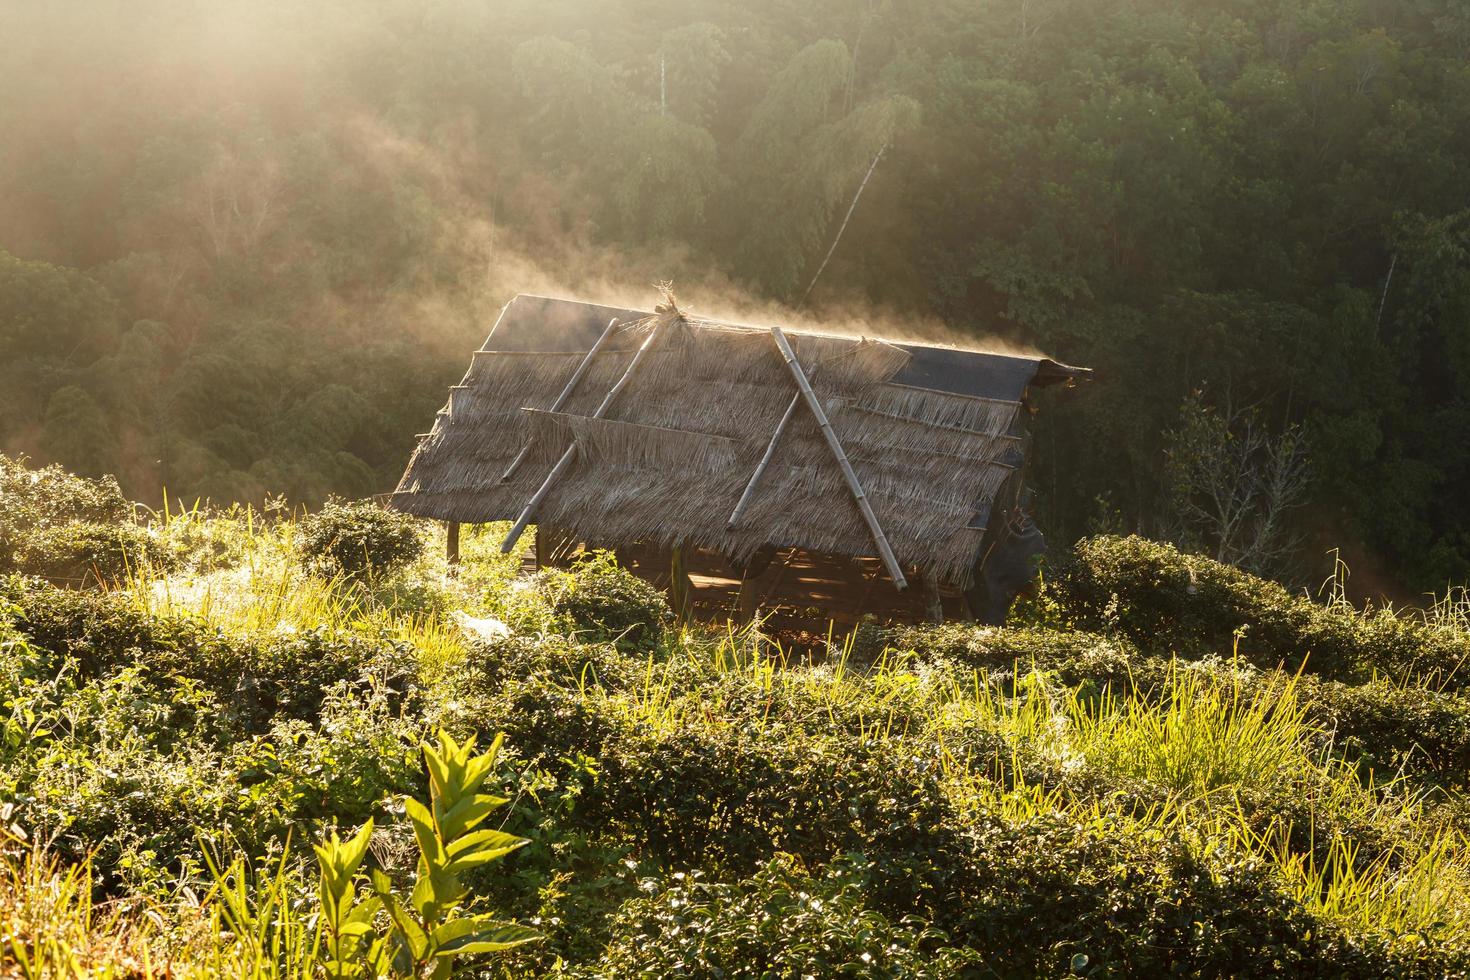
(669, 461)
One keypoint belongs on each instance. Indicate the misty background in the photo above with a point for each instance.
(245, 248)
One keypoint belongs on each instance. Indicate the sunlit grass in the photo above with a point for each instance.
(245, 578)
(50, 926)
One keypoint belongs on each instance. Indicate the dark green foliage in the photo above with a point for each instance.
(1027, 899)
(729, 801)
(1074, 656)
(1168, 601)
(781, 922)
(1392, 729)
(66, 527)
(608, 603)
(81, 553)
(1036, 899)
(358, 540)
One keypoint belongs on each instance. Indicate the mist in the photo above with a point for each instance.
(244, 248)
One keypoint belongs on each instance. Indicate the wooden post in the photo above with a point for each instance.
(566, 393)
(933, 602)
(451, 542)
(563, 464)
(681, 590)
(884, 549)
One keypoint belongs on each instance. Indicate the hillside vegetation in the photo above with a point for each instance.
(1124, 781)
(244, 248)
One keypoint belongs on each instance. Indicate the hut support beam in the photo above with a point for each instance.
(760, 469)
(451, 542)
(895, 571)
(933, 601)
(563, 464)
(566, 393)
(681, 589)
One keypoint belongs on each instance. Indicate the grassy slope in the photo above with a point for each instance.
(1014, 802)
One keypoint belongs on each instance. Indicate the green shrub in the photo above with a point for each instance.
(1029, 898)
(1380, 726)
(1168, 601)
(1056, 894)
(728, 800)
(105, 631)
(289, 676)
(80, 552)
(608, 603)
(1390, 729)
(1074, 656)
(284, 675)
(490, 664)
(782, 922)
(361, 751)
(68, 528)
(126, 767)
(358, 540)
(51, 495)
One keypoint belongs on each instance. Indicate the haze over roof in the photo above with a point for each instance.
(931, 434)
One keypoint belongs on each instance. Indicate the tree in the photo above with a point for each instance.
(1232, 485)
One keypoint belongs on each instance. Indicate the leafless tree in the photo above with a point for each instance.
(1232, 483)
(237, 200)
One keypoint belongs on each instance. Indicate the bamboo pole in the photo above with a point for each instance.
(846, 218)
(563, 464)
(760, 469)
(566, 393)
(884, 549)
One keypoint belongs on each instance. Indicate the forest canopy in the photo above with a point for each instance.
(243, 249)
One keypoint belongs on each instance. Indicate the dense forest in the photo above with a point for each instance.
(243, 248)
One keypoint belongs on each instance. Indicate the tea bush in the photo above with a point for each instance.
(68, 528)
(1171, 602)
(1055, 894)
(357, 540)
(608, 604)
(286, 674)
(1382, 726)
(781, 922)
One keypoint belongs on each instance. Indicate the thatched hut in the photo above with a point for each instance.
(793, 470)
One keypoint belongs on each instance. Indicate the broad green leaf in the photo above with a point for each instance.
(491, 839)
(424, 830)
(353, 851)
(464, 815)
(478, 934)
(461, 865)
(438, 771)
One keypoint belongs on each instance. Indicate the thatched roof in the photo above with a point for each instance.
(931, 434)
